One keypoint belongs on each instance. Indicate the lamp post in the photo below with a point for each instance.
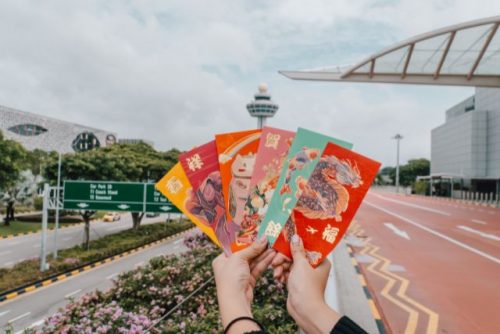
(262, 106)
(398, 137)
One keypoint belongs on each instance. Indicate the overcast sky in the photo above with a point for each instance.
(177, 72)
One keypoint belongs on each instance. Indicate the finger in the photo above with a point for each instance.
(297, 247)
(286, 266)
(218, 261)
(259, 269)
(262, 256)
(278, 271)
(253, 250)
(280, 259)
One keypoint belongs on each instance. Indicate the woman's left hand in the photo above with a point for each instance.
(236, 277)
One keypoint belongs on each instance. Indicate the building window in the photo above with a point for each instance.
(27, 129)
(110, 140)
(85, 141)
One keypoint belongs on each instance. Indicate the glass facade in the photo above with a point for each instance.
(27, 129)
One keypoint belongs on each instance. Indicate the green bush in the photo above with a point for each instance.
(38, 203)
(420, 187)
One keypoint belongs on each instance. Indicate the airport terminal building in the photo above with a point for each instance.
(465, 150)
(39, 132)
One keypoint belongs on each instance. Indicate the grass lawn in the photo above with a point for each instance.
(21, 227)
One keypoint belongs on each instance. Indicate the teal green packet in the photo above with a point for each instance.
(303, 156)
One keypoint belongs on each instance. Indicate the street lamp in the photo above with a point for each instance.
(262, 106)
(398, 137)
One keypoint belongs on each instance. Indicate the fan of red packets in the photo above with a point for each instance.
(271, 182)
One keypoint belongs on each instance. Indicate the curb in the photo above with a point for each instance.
(10, 236)
(16, 292)
(376, 313)
(457, 200)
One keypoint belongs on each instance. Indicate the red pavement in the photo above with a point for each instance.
(445, 278)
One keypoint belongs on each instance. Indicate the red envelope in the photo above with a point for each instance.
(328, 203)
(205, 200)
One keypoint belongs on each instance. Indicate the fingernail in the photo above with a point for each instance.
(295, 239)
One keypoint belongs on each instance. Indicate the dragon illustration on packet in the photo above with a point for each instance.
(328, 202)
(301, 160)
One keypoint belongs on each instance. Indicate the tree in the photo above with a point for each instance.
(12, 163)
(120, 162)
(408, 173)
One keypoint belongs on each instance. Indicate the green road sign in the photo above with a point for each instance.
(115, 196)
(156, 202)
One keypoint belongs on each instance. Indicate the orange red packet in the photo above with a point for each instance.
(328, 202)
(176, 187)
(236, 156)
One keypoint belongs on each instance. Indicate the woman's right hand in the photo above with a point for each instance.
(306, 288)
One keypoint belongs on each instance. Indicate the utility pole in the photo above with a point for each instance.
(45, 213)
(56, 227)
(398, 137)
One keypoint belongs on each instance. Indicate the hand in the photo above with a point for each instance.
(306, 292)
(235, 278)
(281, 267)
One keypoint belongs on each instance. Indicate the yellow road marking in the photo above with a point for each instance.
(412, 322)
(374, 309)
(433, 316)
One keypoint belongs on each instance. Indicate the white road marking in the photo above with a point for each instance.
(478, 221)
(397, 231)
(440, 235)
(414, 205)
(6, 252)
(4, 313)
(37, 323)
(112, 276)
(178, 241)
(72, 293)
(484, 235)
(14, 243)
(19, 317)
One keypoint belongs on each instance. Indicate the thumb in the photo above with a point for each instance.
(254, 250)
(297, 247)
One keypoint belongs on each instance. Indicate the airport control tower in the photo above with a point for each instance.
(262, 106)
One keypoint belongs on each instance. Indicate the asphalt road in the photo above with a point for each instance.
(26, 247)
(433, 266)
(30, 310)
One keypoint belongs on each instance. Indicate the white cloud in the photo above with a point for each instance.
(177, 72)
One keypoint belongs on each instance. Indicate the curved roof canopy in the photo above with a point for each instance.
(466, 54)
